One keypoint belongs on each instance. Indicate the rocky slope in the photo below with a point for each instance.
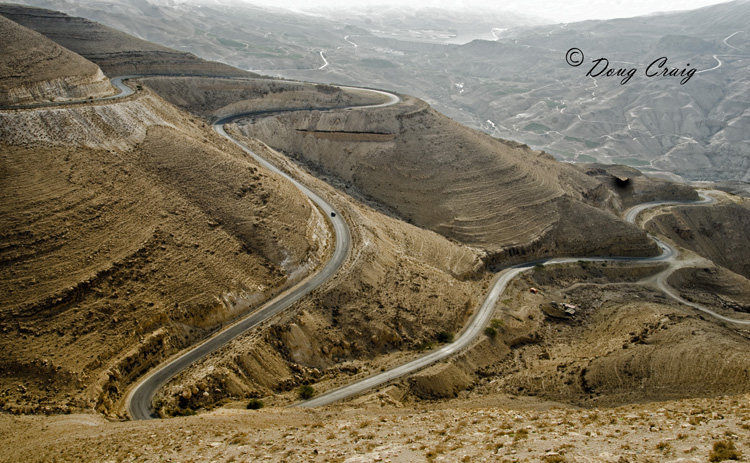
(142, 232)
(214, 98)
(717, 232)
(148, 231)
(509, 429)
(715, 287)
(34, 69)
(116, 52)
(625, 342)
(632, 187)
(401, 286)
(426, 169)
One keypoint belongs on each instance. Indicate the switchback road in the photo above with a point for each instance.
(139, 401)
(481, 318)
(140, 397)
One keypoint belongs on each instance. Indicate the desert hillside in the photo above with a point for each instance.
(717, 232)
(401, 286)
(503, 198)
(34, 69)
(116, 52)
(143, 232)
(632, 187)
(132, 231)
(428, 170)
(489, 69)
(625, 343)
(714, 287)
(162, 231)
(508, 429)
(214, 98)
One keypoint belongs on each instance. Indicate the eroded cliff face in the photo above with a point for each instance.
(33, 69)
(60, 89)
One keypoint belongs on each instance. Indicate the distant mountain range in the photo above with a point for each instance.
(503, 73)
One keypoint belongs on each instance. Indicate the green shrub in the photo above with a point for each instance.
(305, 392)
(255, 404)
(490, 332)
(724, 450)
(444, 336)
(425, 345)
(183, 412)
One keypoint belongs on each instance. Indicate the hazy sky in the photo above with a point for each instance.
(566, 11)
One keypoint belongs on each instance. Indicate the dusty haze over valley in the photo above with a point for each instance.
(233, 232)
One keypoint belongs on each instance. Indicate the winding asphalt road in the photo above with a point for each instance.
(500, 283)
(632, 214)
(124, 91)
(139, 401)
(662, 278)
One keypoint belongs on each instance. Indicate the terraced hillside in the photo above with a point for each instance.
(116, 52)
(215, 98)
(145, 231)
(141, 232)
(35, 69)
(497, 196)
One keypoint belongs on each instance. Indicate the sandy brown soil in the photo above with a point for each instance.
(116, 52)
(34, 69)
(717, 232)
(677, 431)
(501, 197)
(400, 287)
(214, 98)
(626, 342)
(162, 231)
(144, 231)
(494, 421)
(715, 287)
(149, 250)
